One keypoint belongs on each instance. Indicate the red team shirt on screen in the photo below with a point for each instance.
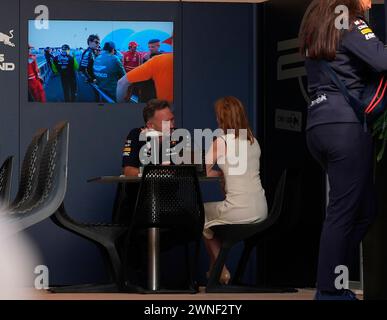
(131, 60)
(160, 69)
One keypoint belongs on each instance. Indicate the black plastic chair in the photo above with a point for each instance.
(283, 223)
(231, 234)
(169, 203)
(30, 170)
(51, 185)
(105, 236)
(5, 181)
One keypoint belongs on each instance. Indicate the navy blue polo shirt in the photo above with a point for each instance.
(133, 146)
(359, 59)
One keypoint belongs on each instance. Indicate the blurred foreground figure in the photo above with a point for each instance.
(18, 260)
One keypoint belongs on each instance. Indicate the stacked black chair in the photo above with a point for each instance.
(283, 223)
(105, 236)
(169, 203)
(30, 170)
(50, 186)
(5, 181)
(232, 234)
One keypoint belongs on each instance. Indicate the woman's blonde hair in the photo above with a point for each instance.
(231, 114)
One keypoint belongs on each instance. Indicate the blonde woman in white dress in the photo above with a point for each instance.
(245, 200)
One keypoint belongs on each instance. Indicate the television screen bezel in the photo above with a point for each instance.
(146, 11)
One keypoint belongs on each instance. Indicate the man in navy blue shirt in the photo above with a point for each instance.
(154, 114)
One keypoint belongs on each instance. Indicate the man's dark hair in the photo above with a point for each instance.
(152, 106)
(153, 41)
(109, 46)
(92, 38)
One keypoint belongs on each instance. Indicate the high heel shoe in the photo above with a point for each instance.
(225, 276)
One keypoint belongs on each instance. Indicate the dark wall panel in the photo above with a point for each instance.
(9, 85)
(218, 52)
(97, 134)
(290, 255)
(217, 59)
(375, 243)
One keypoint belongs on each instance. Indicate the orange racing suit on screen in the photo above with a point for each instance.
(35, 86)
(160, 70)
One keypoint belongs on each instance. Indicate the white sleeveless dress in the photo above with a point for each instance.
(245, 200)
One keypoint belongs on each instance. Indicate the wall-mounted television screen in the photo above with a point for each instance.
(82, 61)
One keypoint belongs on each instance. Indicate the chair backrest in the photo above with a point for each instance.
(278, 200)
(293, 200)
(5, 181)
(170, 197)
(52, 181)
(30, 169)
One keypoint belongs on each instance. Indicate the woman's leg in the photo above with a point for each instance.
(368, 209)
(213, 247)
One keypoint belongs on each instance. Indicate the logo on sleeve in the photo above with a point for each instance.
(127, 148)
(365, 29)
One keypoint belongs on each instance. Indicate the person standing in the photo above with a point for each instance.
(88, 57)
(49, 57)
(132, 58)
(66, 66)
(108, 69)
(154, 49)
(159, 69)
(335, 136)
(35, 82)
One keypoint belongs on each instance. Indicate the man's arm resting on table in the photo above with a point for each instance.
(131, 171)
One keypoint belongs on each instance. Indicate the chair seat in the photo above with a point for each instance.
(98, 231)
(112, 229)
(233, 233)
(65, 220)
(103, 225)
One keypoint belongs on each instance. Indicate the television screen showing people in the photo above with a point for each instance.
(83, 61)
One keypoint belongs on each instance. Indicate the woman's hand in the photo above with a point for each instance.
(223, 184)
(216, 150)
(220, 175)
(214, 173)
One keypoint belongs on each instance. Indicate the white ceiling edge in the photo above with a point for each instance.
(245, 1)
(220, 1)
